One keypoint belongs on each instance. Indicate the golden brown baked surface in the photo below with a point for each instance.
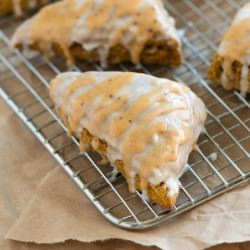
(8, 6)
(166, 54)
(216, 69)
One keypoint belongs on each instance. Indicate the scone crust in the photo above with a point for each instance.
(215, 72)
(6, 6)
(154, 52)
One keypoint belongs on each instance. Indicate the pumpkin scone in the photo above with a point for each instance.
(143, 125)
(231, 64)
(108, 31)
(18, 6)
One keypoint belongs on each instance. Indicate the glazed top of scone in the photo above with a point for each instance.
(149, 123)
(99, 24)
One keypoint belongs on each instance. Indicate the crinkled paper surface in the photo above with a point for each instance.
(40, 204)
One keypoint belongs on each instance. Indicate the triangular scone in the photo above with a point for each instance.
(231, 64)
(17, 6)
(109, 31)
(145, 126)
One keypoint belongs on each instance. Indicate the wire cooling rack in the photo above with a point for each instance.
(221, 161)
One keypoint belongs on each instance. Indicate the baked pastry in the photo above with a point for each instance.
(109, 31)
(145, 126)
(17, 6)
(230, 66)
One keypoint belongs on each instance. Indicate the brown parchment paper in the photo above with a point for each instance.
(40, 204)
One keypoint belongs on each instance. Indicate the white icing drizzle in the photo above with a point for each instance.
(114, 174)
(214, 156)
(183, 170)
(99, 25)
(244, 83)
(149, 123)
(32, 4)
(173, 186)
(144, 195)
(17, 7)
(236, 47)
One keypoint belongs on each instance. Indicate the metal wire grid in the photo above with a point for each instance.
(221, 160)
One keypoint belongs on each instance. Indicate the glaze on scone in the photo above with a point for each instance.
(99, 26)
(146, 126)
(232, 63)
